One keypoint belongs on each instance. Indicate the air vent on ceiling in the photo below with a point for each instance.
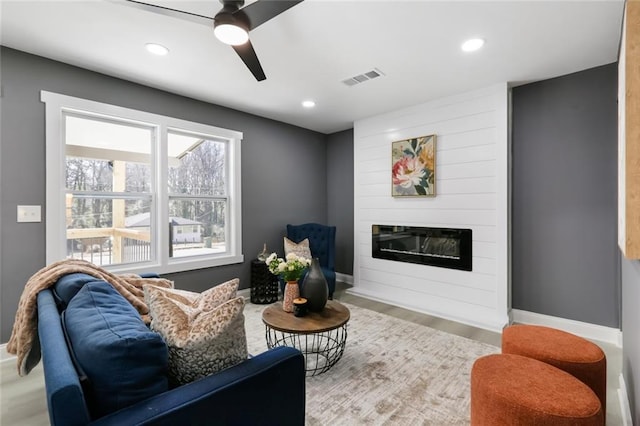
(361, 78)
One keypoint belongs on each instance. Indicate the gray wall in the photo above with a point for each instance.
(340, 195)
(631, 334)
(565, 254)
(275, 157)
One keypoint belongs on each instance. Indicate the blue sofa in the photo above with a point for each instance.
(249, 393)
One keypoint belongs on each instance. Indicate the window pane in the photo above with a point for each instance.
(91, 175)
(108, 231)
(196, 227)
(107, 156)
(88, 175)
(196, 165)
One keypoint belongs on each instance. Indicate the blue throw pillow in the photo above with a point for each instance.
(67, 287)
(124, 361)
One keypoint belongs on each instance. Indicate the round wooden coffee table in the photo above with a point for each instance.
(320, 336)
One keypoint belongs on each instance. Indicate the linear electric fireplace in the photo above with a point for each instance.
(444, 247)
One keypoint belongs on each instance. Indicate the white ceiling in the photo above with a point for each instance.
(308, 50)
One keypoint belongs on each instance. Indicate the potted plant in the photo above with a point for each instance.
(290, 269)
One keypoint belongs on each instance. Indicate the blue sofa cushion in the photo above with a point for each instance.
(124, 361)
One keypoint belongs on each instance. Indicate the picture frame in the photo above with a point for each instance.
(413, 167)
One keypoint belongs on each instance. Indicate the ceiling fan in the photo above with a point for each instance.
(232, 24)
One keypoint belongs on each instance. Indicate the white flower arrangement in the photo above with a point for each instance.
(290, 269)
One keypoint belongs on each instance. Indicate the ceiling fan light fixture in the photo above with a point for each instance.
(231, 34)
(230, 30)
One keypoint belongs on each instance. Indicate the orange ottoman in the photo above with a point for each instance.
(516, 390)
(575, 355)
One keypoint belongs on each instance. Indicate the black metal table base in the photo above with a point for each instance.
(321, 350)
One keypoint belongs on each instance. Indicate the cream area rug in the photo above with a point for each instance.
(392, 372)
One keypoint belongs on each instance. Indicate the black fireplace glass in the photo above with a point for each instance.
(443, 247)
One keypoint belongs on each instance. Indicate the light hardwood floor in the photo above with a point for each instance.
(22, 399)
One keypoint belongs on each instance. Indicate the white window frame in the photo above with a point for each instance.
(56, 105)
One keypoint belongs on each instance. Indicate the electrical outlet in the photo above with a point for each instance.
(29, 214)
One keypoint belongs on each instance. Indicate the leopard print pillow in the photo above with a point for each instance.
(204, 332)
(301, 249)
(205, 301)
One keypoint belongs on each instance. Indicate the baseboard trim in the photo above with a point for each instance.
(4, 355)
(245, 293)
(344, 278)
(625, 407)
(584, 329)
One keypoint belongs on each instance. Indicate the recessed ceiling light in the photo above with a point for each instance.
(308, 104)
(472, 45)
(157, 49)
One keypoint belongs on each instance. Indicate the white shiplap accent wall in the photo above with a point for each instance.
(472, 187)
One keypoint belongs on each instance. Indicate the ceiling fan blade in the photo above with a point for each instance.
(263, 10)
(250, 59)
(167, 11)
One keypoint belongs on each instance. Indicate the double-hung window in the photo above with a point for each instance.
(134, 191)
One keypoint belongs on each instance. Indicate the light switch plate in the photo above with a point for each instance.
(29, 214)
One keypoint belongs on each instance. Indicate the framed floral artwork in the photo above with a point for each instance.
(413, 167)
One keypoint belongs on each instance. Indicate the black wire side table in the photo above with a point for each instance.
(264, 285)
(320, 336)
